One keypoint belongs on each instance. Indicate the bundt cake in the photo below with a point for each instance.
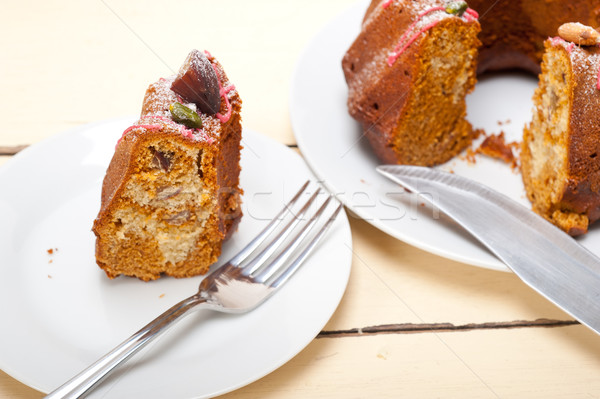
(412, 64)
(561, 146)
(513, 31)
(408, 73)
(171, 192)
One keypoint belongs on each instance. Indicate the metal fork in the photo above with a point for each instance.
(237, 286)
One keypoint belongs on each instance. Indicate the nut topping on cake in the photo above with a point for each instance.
(457, 8)
(186, 116)
(578, 33)
(197, 82)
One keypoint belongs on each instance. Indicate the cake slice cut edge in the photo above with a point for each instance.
(550, 148)
(171, 194)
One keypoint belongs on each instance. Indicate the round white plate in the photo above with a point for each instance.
(333, 145)
(60, 312)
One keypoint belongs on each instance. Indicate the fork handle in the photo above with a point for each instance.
(89, 377)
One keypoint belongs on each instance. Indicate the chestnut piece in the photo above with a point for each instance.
(179, 218)
(197, 82)
(160, 160)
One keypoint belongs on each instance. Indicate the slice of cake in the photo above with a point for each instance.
(408, 73)
(171, 192)
(561, 146)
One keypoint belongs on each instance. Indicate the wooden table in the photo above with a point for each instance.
(411, 324)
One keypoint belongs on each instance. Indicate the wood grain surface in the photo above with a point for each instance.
(411, 324)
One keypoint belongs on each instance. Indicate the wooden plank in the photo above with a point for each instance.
(12, 149)
(392, 282)
(525, 363)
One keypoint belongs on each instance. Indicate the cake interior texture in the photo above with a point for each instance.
(414, 61)
(546, 142)
(433, 124)
(407, 86)
(171, 194)
(166, 214)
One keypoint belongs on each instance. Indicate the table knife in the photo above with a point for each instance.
(543, 256)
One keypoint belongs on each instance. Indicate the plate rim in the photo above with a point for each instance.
(357, 9)
(342, 225)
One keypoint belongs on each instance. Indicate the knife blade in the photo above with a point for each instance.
(543, 256)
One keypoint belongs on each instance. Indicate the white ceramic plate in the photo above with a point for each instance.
(60, 312)
(332, 144)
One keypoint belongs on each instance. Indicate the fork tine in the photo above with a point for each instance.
(295, 265)
(266, 253)
(271, 268)
(252, 245)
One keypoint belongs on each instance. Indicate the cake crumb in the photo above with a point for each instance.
(495, 146)
(161, 296)
(470, 156)
(51, 252)
(477, 132)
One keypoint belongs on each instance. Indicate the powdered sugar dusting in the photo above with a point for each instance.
(585, 60)
(223, 92)
(426, 20)
(159, 97)
(156, 114)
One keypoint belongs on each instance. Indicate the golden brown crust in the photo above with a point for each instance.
(569, 194)
(170, 195)
(379, 97)
(513, 31)
(389, 100)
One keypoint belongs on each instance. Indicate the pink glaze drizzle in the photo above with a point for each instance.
(399, 49)
(469, 14)
(556, 41)
(223, 93)
(472, 14)
(183, 130)
(147, 127)
(386, 3)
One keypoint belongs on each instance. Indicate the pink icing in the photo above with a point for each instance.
(399, 49)
(556, 41)
(183, 130)
(386, 3)
(223, 92)
(407, 39)
(472, 14)
(147, 127)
